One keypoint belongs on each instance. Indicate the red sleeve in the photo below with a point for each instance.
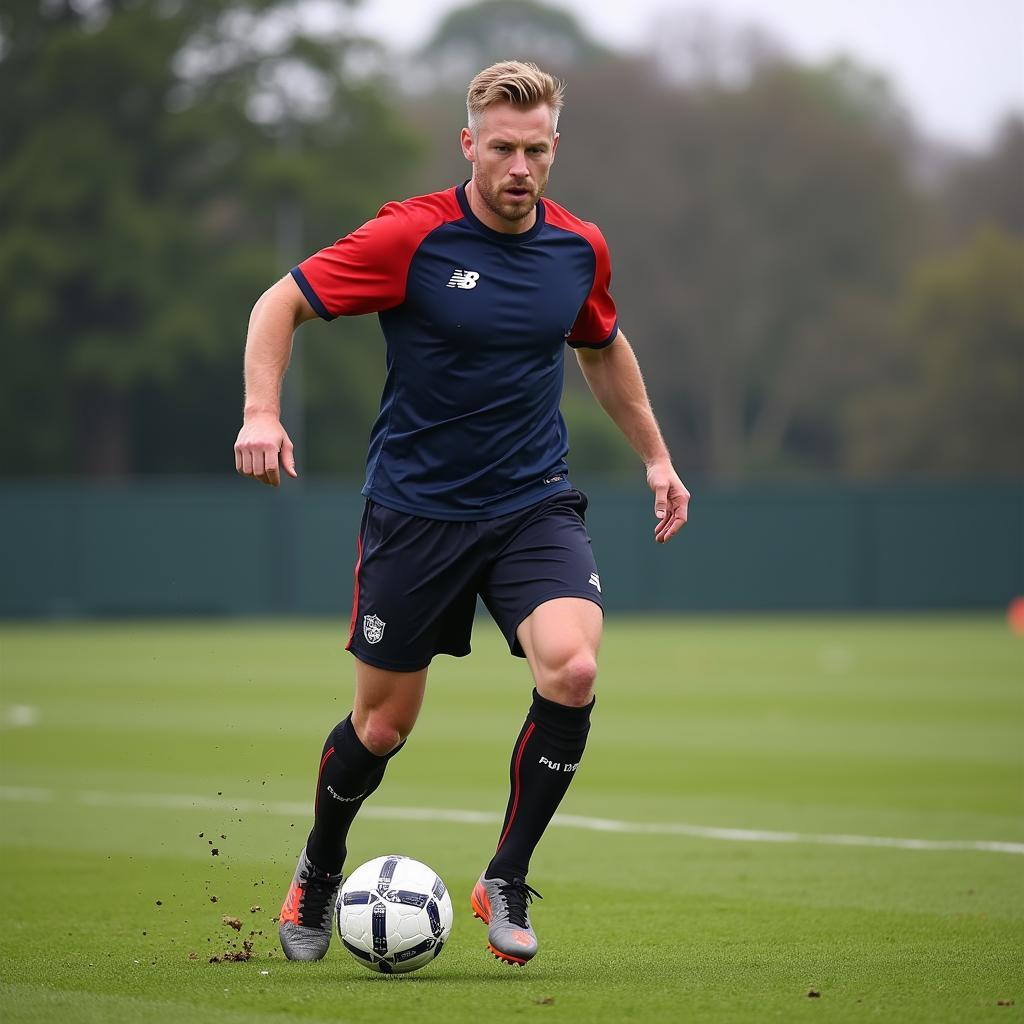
(366, 271)
(596, 323)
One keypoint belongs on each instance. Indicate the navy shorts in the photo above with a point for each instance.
(417, 580)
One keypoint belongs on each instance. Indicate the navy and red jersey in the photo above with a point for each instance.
(476, 323)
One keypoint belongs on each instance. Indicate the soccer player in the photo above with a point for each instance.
(478, 289)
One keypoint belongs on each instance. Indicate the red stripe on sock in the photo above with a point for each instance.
(515, 793)
(319, 776)
(355, 591)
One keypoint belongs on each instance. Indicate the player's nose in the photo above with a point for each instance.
(519, 168)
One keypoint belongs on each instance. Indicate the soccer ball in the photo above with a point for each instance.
(394, 914)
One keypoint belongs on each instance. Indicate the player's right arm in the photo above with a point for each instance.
(268, 347)
(364, 272)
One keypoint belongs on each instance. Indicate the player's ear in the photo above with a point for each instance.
(554, 146)
(468, 144)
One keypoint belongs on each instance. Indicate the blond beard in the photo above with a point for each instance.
(511, 213)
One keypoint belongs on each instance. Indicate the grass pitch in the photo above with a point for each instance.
(130, 752)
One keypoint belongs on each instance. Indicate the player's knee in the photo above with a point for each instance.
(572, 682)
(379, 734)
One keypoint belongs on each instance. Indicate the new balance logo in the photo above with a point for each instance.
(464, 279)
(595, 581)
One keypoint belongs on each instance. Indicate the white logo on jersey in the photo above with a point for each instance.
(595, 581)
(464, 279)
(373, 628)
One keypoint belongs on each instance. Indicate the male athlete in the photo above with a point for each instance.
(478, 289)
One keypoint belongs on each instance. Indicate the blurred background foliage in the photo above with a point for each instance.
(814, 288)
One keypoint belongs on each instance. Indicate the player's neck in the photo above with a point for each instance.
(490, 219)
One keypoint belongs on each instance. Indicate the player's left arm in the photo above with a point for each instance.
(614, 376)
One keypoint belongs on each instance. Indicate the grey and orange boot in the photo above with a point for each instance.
(502, 907)
(307, 915)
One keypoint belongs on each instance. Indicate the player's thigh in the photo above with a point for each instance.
(386, 705)
(560, 639)
(546, 556)
(415, 590)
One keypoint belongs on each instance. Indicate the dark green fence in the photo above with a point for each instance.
(237, 548)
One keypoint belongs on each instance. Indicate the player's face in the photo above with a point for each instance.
(511, 155)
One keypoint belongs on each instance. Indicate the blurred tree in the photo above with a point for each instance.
(473, 37)
(696, 47)
(759, 234)
(989, 188)
(150, 150)
(954, 403)
(596, 445)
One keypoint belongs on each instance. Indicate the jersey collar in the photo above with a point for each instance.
(498, 236)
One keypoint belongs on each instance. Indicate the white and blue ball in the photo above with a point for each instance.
(394, 914)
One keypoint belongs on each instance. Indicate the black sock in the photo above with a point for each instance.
(349, 773)
(544, 761)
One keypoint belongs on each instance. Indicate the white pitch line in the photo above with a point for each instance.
(184, 802)
(26, 794)
(19, 716)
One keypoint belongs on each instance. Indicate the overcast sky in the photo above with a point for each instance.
(958, 64)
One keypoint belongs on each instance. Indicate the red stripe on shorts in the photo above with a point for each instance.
(355, 591)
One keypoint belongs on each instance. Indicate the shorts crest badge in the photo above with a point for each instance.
(373, 628)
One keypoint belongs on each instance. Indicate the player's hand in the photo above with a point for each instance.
(671, 500)
(260, 441)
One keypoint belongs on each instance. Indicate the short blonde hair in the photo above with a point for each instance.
(511, 81)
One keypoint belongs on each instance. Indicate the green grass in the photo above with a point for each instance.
(880, 727)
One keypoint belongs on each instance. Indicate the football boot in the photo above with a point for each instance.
(502, 906)
(307, 915)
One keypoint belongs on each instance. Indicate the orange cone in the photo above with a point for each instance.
(1015, 615)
